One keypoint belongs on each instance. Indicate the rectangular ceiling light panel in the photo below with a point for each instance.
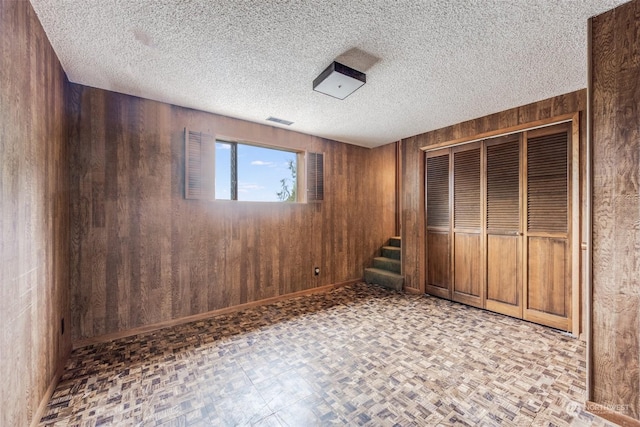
(339, 81)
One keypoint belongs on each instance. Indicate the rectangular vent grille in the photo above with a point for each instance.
(280, 121)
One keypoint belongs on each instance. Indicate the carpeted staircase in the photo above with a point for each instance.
(386, 268)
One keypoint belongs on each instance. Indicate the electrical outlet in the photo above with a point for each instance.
(316, 271)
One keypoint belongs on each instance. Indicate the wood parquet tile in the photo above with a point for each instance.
(359, 355)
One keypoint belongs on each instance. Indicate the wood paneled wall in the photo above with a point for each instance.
(412, 203)
(34, 209)
(615, 86)
(142, 254)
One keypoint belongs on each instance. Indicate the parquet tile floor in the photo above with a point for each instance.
(359, 355)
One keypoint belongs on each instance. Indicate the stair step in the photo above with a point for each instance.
(391, 252)
(395, 241)
(388, 264)
(383, 278)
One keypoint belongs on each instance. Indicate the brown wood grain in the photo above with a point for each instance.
(413, 178)
(413, 213)
(503, 269)
(34, 217)
(547, 286)
(155, 256)
(467, 268)
(438, 256)
(615, 320)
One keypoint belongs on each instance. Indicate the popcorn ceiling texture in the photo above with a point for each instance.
(429, 64)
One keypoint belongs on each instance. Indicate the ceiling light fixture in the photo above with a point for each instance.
(339, 81)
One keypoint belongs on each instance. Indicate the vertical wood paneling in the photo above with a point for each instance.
(155, 256)
(413, 213)
(34, 215)
(615, 323)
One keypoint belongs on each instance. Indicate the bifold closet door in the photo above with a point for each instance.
(438, 223)
(547, 285)
(503, 229)
(467, 226)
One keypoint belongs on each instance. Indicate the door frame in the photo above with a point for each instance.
(574, 322)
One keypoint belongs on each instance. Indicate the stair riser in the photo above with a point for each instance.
(391, 253)
(395, 241)
(387, 265)
(375, 278)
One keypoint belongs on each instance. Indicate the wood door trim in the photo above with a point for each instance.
(575, 225)
(436, 153)
(524, 247)
(537, 124)
(550, 130)
(452, 240)
(588, 217)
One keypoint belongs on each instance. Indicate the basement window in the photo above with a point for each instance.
(230, 170)
(253, 173)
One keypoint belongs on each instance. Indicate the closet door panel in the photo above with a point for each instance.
(438, 253)
(468, 266)
(503, 275)
(467, 219)
(547, 284)
(438, 211)
(504, 254)
(547, 276)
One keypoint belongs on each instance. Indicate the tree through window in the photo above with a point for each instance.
(251, 173)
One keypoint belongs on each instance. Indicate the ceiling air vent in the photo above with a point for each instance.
(281, 121)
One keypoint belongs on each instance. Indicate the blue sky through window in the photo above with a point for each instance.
(259, 172)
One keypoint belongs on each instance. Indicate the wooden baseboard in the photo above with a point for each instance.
(608, 414)
(196, 317)
(413, 291)
(47, 394)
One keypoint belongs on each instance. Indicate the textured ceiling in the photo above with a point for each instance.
(429, 64)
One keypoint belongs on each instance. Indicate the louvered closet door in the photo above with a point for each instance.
(503, 231)
(467, 226)
(438, 223)
(547, 285)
